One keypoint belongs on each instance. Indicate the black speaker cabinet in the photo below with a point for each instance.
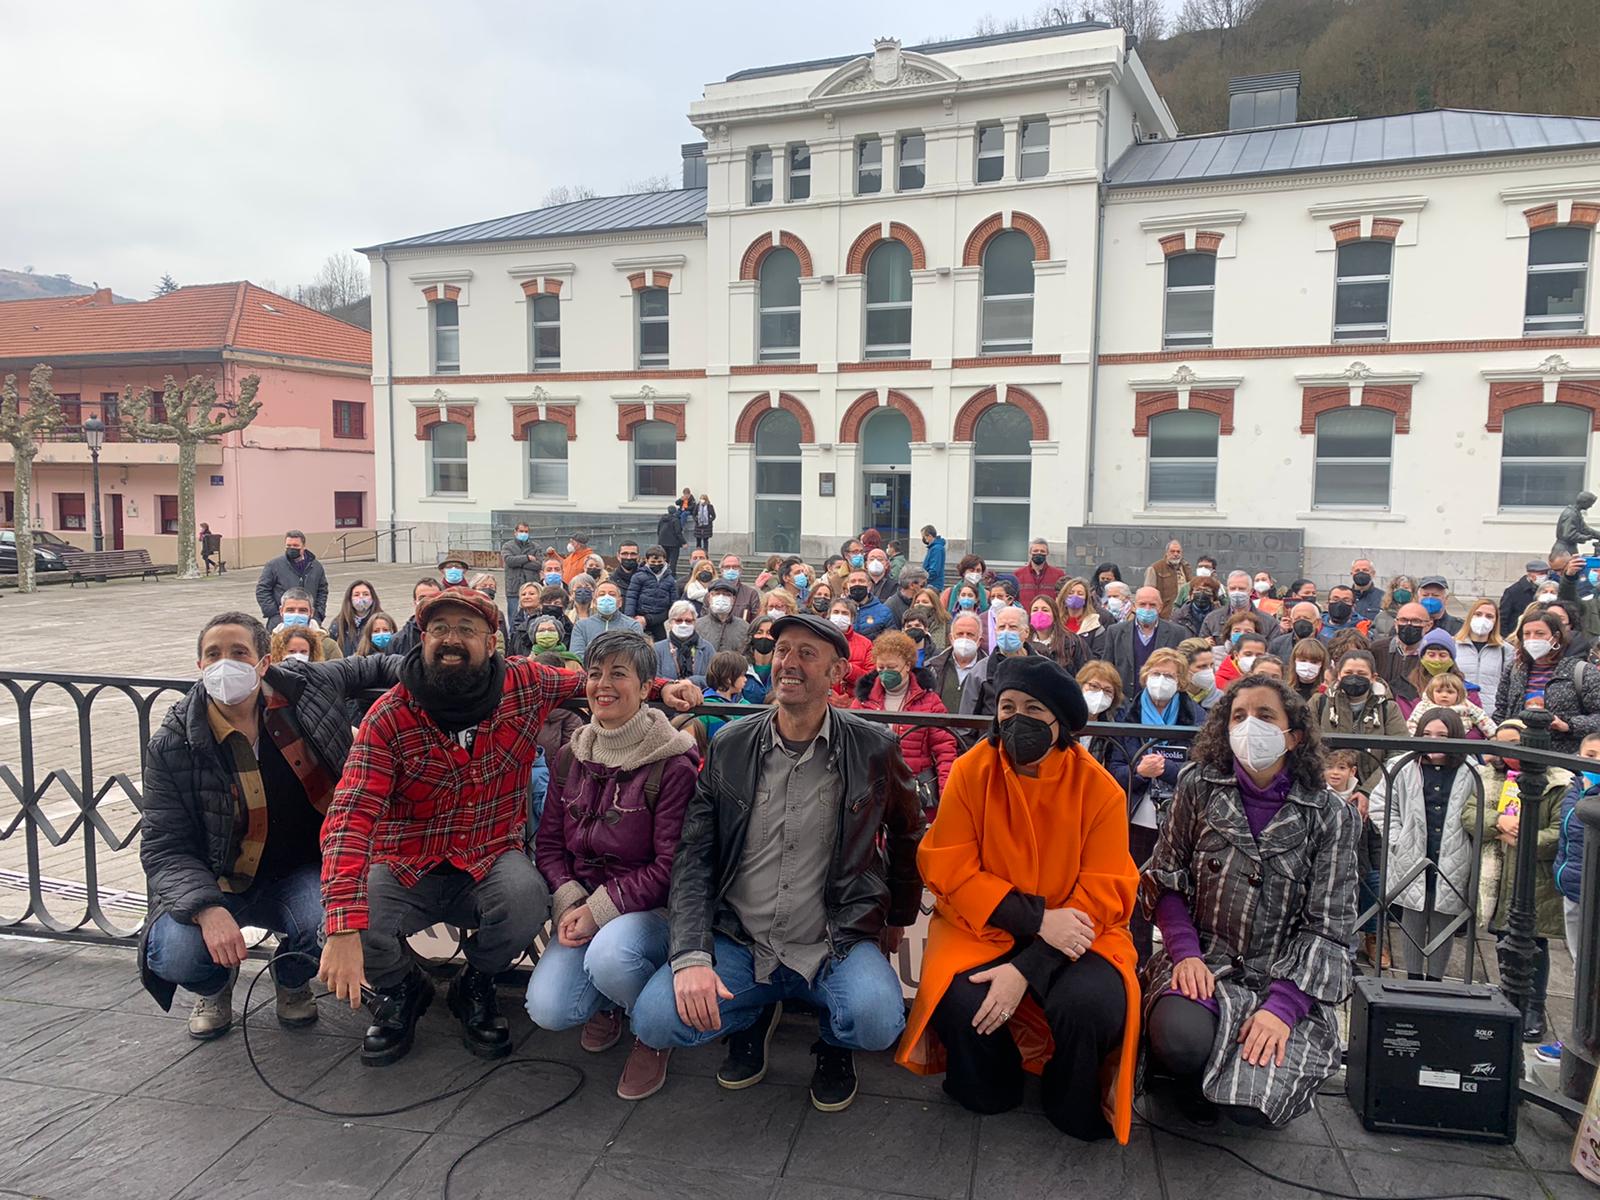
(1443, 1059)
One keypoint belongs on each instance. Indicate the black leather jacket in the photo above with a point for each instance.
(873, 879)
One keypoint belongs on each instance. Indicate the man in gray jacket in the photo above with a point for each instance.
(517, 556)
(298, 568)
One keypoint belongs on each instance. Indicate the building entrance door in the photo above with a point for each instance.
(114, 533)
(888, 505)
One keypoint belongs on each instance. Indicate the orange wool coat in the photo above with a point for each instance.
(1063, 836)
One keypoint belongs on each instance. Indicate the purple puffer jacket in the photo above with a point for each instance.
(597, 830)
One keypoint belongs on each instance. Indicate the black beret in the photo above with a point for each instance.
(1046, 682)
(722, 585)
(826, 630)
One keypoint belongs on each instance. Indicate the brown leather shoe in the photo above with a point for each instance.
(644, 1073)
(601, 1032)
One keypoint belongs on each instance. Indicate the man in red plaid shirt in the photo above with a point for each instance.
(428, 825)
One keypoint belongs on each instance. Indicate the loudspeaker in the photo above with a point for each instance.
(1443, 1059)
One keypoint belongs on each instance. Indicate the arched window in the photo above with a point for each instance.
(1183, 460)
(889, 301)
(777, 447)
(779, 288)
(547, 460)
(655, 460)
(447, 459)
(1002, 477)
(1558, 280)
(1544, 456)
(1191, 296)
(1008, 295)
(1355, 451)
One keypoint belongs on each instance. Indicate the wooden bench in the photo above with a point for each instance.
(100, 565)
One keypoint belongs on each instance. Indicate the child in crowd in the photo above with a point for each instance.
(1341, 771)
(1449, 690)
(1502, 794)
(725, 678)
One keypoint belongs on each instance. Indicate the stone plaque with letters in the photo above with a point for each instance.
(1135, 547)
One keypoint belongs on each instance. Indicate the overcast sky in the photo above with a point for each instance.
(229, 139)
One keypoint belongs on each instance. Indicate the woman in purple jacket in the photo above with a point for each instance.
(612, 818)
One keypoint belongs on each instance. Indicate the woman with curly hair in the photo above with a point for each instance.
(295, 642)
(1253, 885)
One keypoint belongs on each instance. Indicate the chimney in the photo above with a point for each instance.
(1255, 101)
(694, 164)
(101, 296)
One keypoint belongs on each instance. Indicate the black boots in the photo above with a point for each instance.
(395, 1013)
(483, 1030)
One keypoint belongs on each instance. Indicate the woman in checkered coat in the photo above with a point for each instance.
(1253, 885)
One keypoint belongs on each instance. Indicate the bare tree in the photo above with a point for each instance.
(1215, 14)
(167, 286)
(567, 193)
(342, 280)
(651, 183)
(1144, 19)
(193, 415)
(24, 431)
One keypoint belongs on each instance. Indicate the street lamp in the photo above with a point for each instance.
(94, 433)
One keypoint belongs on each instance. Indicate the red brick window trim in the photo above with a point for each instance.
(744, 429)
(866, 404)
(629, 415)
(432, 294)
(1506, 395)
(523, 416)
(1392, 398)
(750, 264)
(461, 414)
(868, 239)
(1149, 405)
(544, 287)
(639, 280)
(1206, 241)
(1546, 216)
(992, 226)
(1384, 229)
(981, 402)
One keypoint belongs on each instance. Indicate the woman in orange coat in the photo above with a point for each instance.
(1029, 962)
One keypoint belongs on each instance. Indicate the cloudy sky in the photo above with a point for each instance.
(228, 139)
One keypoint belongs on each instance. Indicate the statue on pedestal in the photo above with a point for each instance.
(1571, 528)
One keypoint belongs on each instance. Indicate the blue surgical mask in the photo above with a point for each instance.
(967, 602)
(1433, 604)
(731, 574)
(857, 559)
(1592, 778)
(1233, 638)
(802, 581)
(606, 605)
(296, 620)
(522, 537)
(380, 641)
(1008, 641)
(454, 574)
(1146, 616)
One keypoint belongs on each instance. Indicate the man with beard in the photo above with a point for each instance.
(429, 823)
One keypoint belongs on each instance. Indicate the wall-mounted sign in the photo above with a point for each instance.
(880, 489)
(216, 481)
(825, 483)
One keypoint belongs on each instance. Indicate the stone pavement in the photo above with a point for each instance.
(104, 1098)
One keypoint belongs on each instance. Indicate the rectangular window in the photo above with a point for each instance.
(69, 510)
(761, 176)
(1191, 293)
(168, 513)
(349, 419)
(799, 172)
(1361, 292)
(1558, 279)
(111, 414)
(655, 460)
(546, 332)
(446, 337)
(447, 453)
(869, 166)
(653, 327)
(1544, 455)
(991, 153)
(1033, 150)
(547, 460)
(347, 508)
(1354, 452)
(71, 410)
(1183, 460)
(912, 165)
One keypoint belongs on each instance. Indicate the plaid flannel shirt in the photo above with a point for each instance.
(412, 798)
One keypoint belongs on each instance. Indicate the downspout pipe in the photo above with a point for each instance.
(388, 377)
(1094, 308)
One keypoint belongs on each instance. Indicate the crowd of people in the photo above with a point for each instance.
(698, 869)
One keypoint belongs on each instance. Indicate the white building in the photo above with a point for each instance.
(982, 285)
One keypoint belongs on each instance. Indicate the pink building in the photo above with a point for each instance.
(306, 462)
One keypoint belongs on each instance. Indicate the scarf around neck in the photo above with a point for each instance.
(454, 712)
(643, 739)
(1150, 714)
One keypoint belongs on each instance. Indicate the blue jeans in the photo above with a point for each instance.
(570, 983)
(290, 907)
(861, 1006)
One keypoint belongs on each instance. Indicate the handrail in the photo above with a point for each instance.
(345, 545)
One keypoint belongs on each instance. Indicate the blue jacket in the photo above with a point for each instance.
(649, 597)
(933, 563)
(538, 786)
(873, 617)
(1569, 847)
(667, 666)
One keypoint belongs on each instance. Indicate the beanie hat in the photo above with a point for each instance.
(1438, 639)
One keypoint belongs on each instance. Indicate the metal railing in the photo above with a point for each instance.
(392, 532)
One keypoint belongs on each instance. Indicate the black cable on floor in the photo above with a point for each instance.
(579, 1079)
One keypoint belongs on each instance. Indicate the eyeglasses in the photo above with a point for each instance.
(466, 630)
(1413, 623)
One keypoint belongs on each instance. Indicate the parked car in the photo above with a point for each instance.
(50, 553)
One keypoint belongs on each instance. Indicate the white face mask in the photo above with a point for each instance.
(974, 577)
(775, 613)
(361, 603)
(572, 547)
(998, 603)
(683, 629)
(1097, 700)
(695, 591)
(1482, 625)
(1537, 648)
(841, 621)
(721, 605)
(1308, 670)
(1116, 606)
(1263, 586)
(1161, 688)
(1246, 662)
(875, 568)
(230, 681)
(1547, 597)
(965, 648)
(1203, 679)
(298, 656)
(1202, 572)
(1257, 743)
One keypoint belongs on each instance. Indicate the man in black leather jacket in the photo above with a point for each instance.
(796, 873)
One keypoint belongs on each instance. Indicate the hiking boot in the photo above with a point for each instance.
(1369, 950)
(644, 1073)
(297, 1007)
(483, 1030)
(833, 1083)
(212, 1016)
(395, 1012)
(746, 1064)
(601, 1032)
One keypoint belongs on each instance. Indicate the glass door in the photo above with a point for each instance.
(888, 504)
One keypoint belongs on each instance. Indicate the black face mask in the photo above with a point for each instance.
(763, 645)
(1026, 739)
(917, 635)
(858, 593)
(1339, 611)
(1355, 686)
(553, 610)
(292, 553)
(1201, 602)
(1038, 560)
(1409, 635)
(1361, 579)
(1303, 628)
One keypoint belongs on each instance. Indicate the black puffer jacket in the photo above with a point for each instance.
(871, 882)
(190, 795)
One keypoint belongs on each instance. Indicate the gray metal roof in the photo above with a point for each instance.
(1357, 142)
(601, 214)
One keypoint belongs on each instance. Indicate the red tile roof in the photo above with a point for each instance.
(207, 317)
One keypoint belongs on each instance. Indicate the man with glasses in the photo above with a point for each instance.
(428, 825)
(1399, 655)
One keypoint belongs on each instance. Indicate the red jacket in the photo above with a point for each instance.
(923, 746)
(860, 662)
(1030, 586)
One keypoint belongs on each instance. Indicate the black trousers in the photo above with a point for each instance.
(1182, 1035)
(672, 559)
(1086, 1006)
(1141, 845)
